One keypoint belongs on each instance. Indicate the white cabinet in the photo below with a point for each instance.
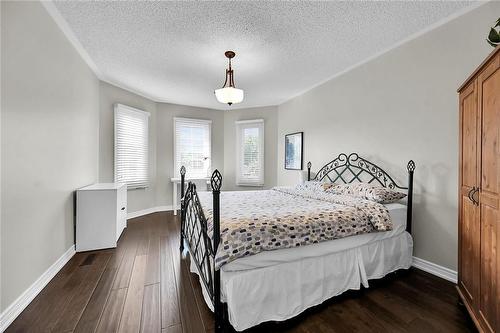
(101, 215)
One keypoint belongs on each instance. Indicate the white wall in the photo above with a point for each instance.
(137, 199)
(57, 133)
(269, 114)
(49, 143)
(402, 105)
(165, 144)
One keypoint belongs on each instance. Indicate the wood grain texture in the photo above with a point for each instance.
(489, 196)
(470, 239)
(153, 265)
(173, 329)
(92, 312)
(112, 314)
(48, 316)
(169, 296)
(469, 117)
(132, 310)
(124, 272)
(479, 215)
(190, 314)
(75, 307)
(412, 302)
(151, 318)
(468, 215)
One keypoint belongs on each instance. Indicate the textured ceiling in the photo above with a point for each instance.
(174, 51)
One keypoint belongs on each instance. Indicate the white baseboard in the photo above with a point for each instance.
(149, 211)
(434, 269)
(16, 307)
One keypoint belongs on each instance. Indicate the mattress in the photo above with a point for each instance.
(284, 217)
(397, 211)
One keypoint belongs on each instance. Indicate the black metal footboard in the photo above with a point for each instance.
(202, 248)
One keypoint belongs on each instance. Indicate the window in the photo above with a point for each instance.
(250, 152)
(192, 147)
(131, 146)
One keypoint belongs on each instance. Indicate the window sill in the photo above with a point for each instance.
(250, 184)
(136, 188)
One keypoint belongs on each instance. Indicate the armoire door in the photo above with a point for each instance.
(489, 96)
(469, 236)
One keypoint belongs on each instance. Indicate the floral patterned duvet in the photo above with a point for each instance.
(256, 221)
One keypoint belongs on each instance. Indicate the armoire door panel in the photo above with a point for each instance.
(489, 86)
(489, 196)
(468, 227)
(469, 123)
(488, 301)
(469, 250)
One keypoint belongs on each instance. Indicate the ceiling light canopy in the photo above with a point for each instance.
(229, 94)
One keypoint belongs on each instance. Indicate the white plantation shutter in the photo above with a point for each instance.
(250, 152)
(131, 146)
(192, 146)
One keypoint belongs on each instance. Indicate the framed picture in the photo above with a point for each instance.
(293, 151)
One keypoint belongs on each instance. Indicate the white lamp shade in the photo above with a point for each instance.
(229, 95)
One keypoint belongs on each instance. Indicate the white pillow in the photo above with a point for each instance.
(310, 185)
(367, 191)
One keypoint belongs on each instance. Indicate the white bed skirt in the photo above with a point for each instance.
(280, 292)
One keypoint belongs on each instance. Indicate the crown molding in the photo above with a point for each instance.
(64, 26)
(70, 35)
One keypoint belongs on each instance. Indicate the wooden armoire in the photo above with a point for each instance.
(479, 195)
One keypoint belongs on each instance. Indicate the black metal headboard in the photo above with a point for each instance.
(353, 168)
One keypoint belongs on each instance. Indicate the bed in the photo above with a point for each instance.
(247, 284)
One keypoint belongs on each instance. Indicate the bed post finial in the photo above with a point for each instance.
(183, 177)
(309, 164)
(183, 215)
(411, 168)
(216, 183)
(216, 180)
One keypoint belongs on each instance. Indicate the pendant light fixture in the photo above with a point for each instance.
(229, 94)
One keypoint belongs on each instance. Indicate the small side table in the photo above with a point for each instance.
(177, 181)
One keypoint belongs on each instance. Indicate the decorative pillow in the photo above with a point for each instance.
(367, 191)
(328, 186)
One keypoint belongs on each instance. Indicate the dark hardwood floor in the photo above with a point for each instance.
(144, 286)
